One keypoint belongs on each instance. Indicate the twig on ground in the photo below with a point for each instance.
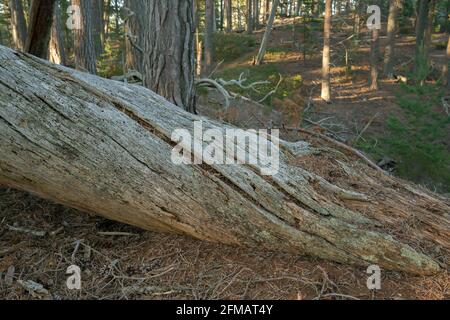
(271, 93)
(122, 234)
(446, 105)
(365, 128)
(23, 230)
(342, 146)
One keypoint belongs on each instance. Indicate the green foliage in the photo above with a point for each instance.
(418, 140)
(442, 45)
(278, 53)
(232, 46)
(110, 62)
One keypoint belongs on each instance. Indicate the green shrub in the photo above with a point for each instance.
(232, 46)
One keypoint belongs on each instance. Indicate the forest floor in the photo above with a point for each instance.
(39, 240)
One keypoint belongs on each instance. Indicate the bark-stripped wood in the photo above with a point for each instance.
(105, 147)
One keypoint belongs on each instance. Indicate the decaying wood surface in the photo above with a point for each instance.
(104, 147)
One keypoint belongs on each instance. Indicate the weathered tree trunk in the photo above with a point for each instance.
(163, 38)
(391, 34)
(56, 50)
(326, 85)
(105, 147)
(40, 27)
(18, 24)
(265, 40)
(209, 33)
(85, 57)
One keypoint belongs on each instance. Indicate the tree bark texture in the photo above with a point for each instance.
(391, 34)
(85, 57)
(161, 36)
(229, 15)
(18, 24)
(105, 147)
(420, 31)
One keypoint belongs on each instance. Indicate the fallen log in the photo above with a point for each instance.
(105, 147)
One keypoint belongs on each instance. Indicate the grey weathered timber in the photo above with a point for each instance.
(105, 147)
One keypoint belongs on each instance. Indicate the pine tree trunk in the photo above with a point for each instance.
(198, 41)
(163, 37)
(135, 28)
(265, 40)
(298, 7)
(209, 36)
(429, 29)
(391, 35)
(326, 85)
(229, 15)
(97, 25)
(56, 51)
(266, 16)
(18, 24)
(420, 32)
(106, 147)
(85, 57)
(40, 27)
(256, 12)
(250, 25)
(374, 58)
(106, 19)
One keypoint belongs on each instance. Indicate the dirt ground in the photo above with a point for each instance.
(39, 240)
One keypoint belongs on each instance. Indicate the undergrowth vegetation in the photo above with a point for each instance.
(266, 72)
(417, 140)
